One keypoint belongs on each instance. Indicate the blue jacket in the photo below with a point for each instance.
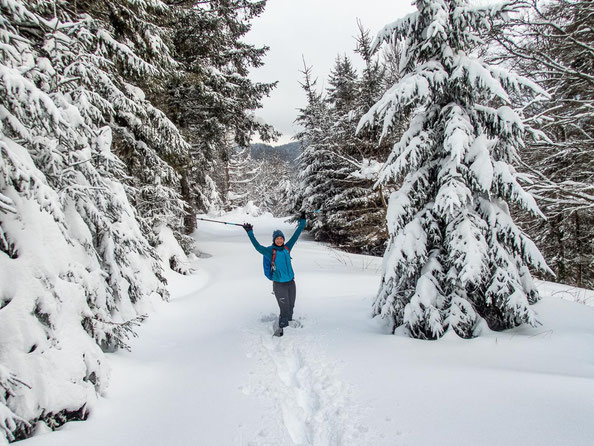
(284, 270)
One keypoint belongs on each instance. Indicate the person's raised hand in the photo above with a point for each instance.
(248, 227)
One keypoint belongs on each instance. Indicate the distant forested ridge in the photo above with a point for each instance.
(286, 152)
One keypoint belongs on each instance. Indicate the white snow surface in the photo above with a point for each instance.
(206, 371)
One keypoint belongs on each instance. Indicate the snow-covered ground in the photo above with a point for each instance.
(206, 371)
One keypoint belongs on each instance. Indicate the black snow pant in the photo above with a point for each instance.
(285, 293)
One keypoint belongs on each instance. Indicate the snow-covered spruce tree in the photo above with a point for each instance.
(352, 213)
(342, 85)
(344, 198)
(316, 161)
(212, 99)
(328, 180)
(552, 42)
(133, 48)
(76, 269)
(356, 213)
(455, 254)
(113, 54)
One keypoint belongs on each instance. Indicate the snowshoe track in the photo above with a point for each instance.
(313, 402)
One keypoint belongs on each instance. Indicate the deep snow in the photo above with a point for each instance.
(206, 371)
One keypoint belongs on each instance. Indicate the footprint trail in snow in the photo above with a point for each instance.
(313, 403)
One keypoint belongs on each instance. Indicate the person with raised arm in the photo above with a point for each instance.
(278, 268)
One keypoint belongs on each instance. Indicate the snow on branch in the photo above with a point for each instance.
(414, 89)
(395, 30)
(9, 421)
(477, 73)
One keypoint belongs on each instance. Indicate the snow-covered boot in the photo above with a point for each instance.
(293, 323)
(278, 330)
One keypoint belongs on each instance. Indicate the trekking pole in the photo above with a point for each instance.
(217, 221)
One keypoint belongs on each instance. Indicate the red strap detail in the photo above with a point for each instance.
(274, 254)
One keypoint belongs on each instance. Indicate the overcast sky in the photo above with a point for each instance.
(318, 30)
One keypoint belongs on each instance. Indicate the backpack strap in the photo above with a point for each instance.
(272, 264)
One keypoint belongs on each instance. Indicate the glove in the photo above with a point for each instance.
(302, 216)
(248, 227)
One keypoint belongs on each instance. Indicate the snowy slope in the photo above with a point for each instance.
(205, 370)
